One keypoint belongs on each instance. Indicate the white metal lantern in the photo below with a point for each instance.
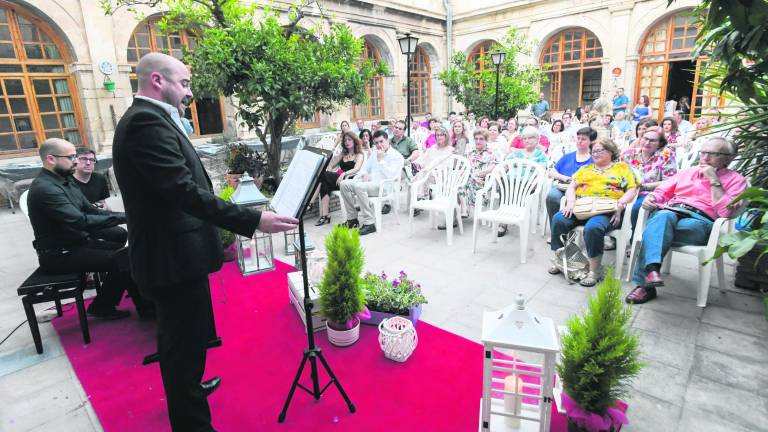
(520, 349)
(254, 254)
(397, 338)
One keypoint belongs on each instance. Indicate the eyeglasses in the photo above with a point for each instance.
(86, 160)
(651, 140)
(598, 151)
(70, 157)
(713, 154)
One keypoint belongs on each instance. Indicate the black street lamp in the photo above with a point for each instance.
(497, 58)
(408, 45)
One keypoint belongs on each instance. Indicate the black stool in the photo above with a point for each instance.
(40, 287)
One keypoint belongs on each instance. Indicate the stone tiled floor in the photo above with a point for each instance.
(704, 368)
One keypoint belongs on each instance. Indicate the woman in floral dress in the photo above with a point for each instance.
(481, 162)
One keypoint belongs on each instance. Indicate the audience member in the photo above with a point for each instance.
(622, 126)
(642, 110)
(511, 131)
(567, 166)
(620, 101)
(404, 144)
(385, 163)
(434, 155)
(608, 178)
(683, 125)
(654, 161)
(481, 161)
(434, 123)
(484, 122)
(541, 108)
(459, 138)
(342, 166)
(670, 105)
(674, 139)
(640, 130)
(543, 140)
(365, 142)
(560, 141)
(605, 128)
(685, 105)
(496, 142)
(684, 209)
(359, 126)
(427, 118)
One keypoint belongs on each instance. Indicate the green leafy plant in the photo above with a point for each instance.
(600, 354)
(242, 159)
(341, 293)
(397, 296)
(275, 69)
(227, 237)
(518, 82)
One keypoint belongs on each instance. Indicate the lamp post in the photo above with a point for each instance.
(408, 45)
(497, 58)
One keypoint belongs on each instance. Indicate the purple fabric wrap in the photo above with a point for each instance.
(612, 420)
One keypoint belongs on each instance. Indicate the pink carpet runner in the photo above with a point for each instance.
(437, 389)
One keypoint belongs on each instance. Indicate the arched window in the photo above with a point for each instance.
(374, 108)
(573, 57)
(477, 58)
(667, 67)
(205, 113)
(38, 97)
(421, 86)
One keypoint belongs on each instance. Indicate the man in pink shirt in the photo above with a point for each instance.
(686, 206)
(543, 140)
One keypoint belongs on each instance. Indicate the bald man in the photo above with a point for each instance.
(67, 227)
(172, 218)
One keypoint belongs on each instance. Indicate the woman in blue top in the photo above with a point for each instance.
(642, 110)
(567, 166)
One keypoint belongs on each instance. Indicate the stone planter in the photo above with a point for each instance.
(343, 338)
(378, 316)
(749, 276)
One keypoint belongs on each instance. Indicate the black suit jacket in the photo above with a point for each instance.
(169, 202)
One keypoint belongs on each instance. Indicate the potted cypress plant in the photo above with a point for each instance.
(341, 294)
(600, 355)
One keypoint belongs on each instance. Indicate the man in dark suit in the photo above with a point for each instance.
(67, 228)
(173, 241)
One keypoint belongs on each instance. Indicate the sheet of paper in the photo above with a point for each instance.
(296, 183)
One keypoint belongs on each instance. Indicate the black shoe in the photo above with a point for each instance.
(442, 227)
(210, 385)
(323, 220)
(386, 209)
(109, 315)
(417, 212)
(502, 231)
(367, 229)
(352, 223)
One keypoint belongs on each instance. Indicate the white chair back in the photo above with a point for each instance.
(327, 142)
(23, 203)
(450, 175)
(420, 136)
(516, 182)
(687, 159)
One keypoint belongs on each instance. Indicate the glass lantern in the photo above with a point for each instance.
(520, 348)
(254, 254)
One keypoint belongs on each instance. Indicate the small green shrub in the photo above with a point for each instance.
(600, 355)
(341, 293)
(227, 237)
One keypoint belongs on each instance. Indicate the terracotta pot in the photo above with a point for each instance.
(232, 180)
(343, 338)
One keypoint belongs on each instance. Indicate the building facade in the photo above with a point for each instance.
(67, 70)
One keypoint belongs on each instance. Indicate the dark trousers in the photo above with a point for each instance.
(103, 257)
(184, 326)
(328, 183)
(115, 234)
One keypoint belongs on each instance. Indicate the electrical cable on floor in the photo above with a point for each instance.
(13, 331)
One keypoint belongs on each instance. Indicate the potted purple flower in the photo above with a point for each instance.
(386, 298)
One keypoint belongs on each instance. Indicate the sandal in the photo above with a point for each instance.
(641, 295)
(553, 270)
(502, 231)
(589, 280)
(323, 220)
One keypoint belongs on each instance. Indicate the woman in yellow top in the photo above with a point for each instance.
(606, 177)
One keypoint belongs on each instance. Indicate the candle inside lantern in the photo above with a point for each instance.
(254, 255)
(513, 403)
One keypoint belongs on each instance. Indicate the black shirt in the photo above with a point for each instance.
(61, 215)
(96, 189)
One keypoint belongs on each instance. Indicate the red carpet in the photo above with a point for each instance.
(437, 389)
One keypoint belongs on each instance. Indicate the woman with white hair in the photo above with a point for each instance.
(531, 149)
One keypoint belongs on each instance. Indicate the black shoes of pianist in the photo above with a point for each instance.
(111, 314)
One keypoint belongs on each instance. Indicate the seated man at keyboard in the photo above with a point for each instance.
(684, 209)
(383, 163)
(64, 223)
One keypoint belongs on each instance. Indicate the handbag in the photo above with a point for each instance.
(586, 207)
(570, 259)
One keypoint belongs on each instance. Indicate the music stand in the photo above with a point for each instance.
(312, 353)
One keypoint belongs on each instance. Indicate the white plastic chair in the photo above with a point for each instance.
(449, 176)
(327, 142)
(389, 193)
(23, 203)
(516, 183)
(720, 227)
(688, 159)
(419, 137)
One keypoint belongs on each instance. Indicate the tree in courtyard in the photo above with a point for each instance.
(476, 90)
(276, 72)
